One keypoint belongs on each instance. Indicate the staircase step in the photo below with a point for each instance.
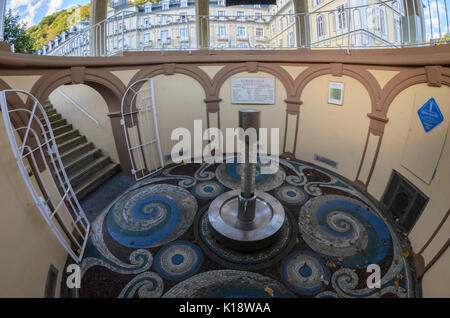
(53, 118)
(88, 170)
(67, 136)
(96, 180)
(81, 161)
(76, 151)
(51, 112)
(57, 124)
(61, 129)
(69, 144)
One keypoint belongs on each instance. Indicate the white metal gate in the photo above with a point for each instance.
(35, 149)
(140, 125)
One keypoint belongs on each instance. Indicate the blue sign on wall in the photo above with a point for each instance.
(430, 115)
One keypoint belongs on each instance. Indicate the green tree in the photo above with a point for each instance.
(141, 2)
(16, 34)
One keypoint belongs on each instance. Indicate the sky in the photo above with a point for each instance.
(32, 11)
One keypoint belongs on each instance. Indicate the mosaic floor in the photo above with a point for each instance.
(155, 241)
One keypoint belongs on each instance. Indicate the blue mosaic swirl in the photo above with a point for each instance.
(291, 195)
(207, 190)
(151, 216)
(304, 273)
(178, 261)
(342, 227)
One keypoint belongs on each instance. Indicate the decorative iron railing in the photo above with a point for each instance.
(384, 24)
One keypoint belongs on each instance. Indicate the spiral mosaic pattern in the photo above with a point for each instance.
(342, 227)
(304, 273)
(291, 195)
(178, 261)
(228, 284)
(207, 190)
(151, 216)
(155, 240)
(147, 285)
(229, 174)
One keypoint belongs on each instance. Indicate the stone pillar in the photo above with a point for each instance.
(413, 22)
(97, 36)
(293, 109)
(202, 24)
(302, 28)
(2, 19)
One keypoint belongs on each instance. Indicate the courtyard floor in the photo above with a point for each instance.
(153, 239)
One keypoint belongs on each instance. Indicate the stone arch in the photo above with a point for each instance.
(359, 73)
(106, 84)
(252, 67)
(408, 78)
(169, 69)
(392, 89)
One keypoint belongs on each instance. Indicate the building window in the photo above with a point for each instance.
(183, 32)
(221, 3)
(164, 19)
(259, 32)
(240, 14)
(291, 39)
(272, 30)
(146, 37)
(280, 25)
(184, 3)
(164, 36)
(258, 15)
(379, 20)
(148, 7)
(291, 16)
(146, 22)
(165, 4)
(221, 14)
(340, 18)
(315, 3)
(320, 26)
(183, 16)
(280, 43)
(240, 31)
(222, 31)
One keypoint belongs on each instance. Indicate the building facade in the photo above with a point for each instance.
(171, 25)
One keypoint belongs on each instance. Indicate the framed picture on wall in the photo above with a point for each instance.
(335, 93)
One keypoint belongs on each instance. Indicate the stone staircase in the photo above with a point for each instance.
(86, 166)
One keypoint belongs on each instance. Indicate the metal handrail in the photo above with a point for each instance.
(81, 109)
(123, 27)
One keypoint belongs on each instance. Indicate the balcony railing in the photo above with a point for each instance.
(381, 25)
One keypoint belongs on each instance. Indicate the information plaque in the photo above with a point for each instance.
(253, 90)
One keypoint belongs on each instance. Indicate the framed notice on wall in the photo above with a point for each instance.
(253, 90)
(336, 93)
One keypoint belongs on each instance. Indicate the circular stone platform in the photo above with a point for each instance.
(155, 240)
(151, 216)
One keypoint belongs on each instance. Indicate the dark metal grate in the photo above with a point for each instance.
(404, 201)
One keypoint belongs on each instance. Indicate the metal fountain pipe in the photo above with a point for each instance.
(248, 118)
